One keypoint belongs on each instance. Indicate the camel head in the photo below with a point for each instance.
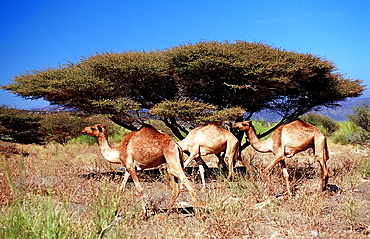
(244, 126)
(97, 130)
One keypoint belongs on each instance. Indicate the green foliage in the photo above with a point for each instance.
(257, 76)
(61, 127)
(326, 125)
(361, 116)
(195, 111)
(38, 218)
(345, 132)
(220, 75)
(184, 109)
(116, 132)
(362, 138)
(262, 126)
(117, 105)
(105, 210)
(19, 126)
(83, 139)
(221, 116)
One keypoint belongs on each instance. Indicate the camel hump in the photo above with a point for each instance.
(147, 126)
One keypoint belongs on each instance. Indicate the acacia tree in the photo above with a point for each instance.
(203, 82)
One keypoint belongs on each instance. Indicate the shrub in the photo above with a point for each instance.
(364, 167)
(62, 127)
(362, 138)
(326, 125)
(361, 116)
(115, 132)
(346, 131)
(19, 126)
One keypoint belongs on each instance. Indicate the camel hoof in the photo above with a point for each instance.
(332, 188)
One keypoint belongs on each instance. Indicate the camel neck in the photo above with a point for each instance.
(110, 154)
(262, 146)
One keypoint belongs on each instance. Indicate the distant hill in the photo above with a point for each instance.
(338, 114)
(346, 108)
(51, 108)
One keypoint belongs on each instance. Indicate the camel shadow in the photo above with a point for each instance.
(157, 174)
(152, 175)
(178, 210)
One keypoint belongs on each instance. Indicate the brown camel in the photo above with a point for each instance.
(144, 148)
(287, 140)
(210, 139)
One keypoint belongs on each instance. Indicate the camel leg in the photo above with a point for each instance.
(201, 171)
(273, 163)
(324, 174)
(139, 189)
(226, 164)
(280, 159)
(179, 174)
(199, 161)
(247, 164)
(230, 166)
(321, 149)
(124, 182)
(286, 176)
(191, 191)
(175, 193)
(231, 155)
(221, 161)
(188, 160)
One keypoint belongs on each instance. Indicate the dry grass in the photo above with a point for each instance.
(70, 192)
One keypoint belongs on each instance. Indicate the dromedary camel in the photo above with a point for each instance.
(210, 139)
(287, 140)
(144, 148)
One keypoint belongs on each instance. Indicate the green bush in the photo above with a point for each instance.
(61, 127)
(115, 132)
(19, 126)
(362, 138)
(345, 132)
(361, 116)
(83, 139)
(326, 125)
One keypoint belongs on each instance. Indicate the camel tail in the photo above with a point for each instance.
(244, 161)
(237, 155)
(181, 155)
(321, 146)
(326, 151)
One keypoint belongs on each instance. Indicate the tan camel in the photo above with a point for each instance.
(210, 139)
(145, 148)
(287, 140)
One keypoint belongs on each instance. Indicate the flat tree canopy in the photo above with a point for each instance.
(197, 83)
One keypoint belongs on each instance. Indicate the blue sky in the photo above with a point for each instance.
(39, 34)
